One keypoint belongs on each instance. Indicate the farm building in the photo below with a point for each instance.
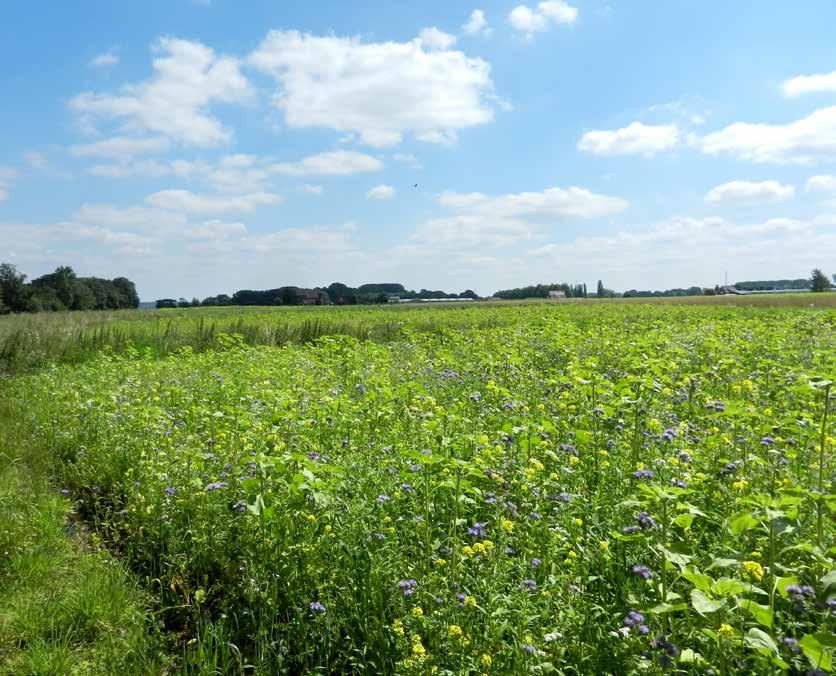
(556, 295)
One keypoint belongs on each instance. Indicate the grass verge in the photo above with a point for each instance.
(66, 606)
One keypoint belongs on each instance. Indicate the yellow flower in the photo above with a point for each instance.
(574, 460)
(604, 545)
(311, 517)
(467, 550)
(455, 631)
(419, 652)
(753, 569)
(397, 627)
(440, 562)
(488, 545)
(726, 629)
(740, 485)
(479, 548)
(507, 525)
(417, 611)
(469, 602)
(485, 660)
(577, 521)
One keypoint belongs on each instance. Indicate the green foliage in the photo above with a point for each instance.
(482, 489)
(819, 281)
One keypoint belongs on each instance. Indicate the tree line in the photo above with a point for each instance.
(63, 290)
(336, 293)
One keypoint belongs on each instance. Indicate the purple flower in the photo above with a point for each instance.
(643, 572)
(535, 562)
(216, 486)
(478, 529)
(65, 491)
(643, 629)
(684, 456)
(630, 530)
(407, 586)
(381, 499)
(791, 644)
(460, 598)
(170, 490)
(633, 618)
(530, 649)
(669, 434)
(642, 474)
(767, 441)
(645, 520)
(240, 507)
(679, 483)
(316, 607)
(663, 643)
(529, 584)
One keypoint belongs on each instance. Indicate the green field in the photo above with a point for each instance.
(570, 488)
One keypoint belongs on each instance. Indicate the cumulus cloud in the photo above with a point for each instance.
(806, 141)
(810, 84)
(477, 24)
(106, 59)
(548, 14)
(378, 90)
(433, 38)
(121, 147)
(7, 177)
(312, 189)
(189, 202)
(188, 78)
(214, 230)
(335, 163)
(821, 183)
(749, 193)
(683, 251)
(479, 219)
(381, 192)
(634, 139)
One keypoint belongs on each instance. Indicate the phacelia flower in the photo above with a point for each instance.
(643, 572)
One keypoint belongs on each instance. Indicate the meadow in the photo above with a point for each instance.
(502, 489)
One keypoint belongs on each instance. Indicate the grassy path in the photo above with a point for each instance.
(66, 606)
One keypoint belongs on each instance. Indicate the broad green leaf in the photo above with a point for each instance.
(742, 523)
(704, 605)
(726, 586)
(684, 521)
(759, 640)
(762, 614)
(815, 652)
(698, 579)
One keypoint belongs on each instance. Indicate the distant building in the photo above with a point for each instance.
(555, 295)
(394, 299)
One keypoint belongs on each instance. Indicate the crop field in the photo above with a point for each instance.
(508, 489)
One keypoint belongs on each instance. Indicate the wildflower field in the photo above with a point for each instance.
(569, 489)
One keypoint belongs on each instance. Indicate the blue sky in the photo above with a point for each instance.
(202, 146)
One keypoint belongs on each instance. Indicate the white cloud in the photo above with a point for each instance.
(477, 24)
(175, 101)
(681, 252)
(106, 59)
(548, 14)
(334, 163)
(36, 160)
(810, 84)
(378, 90)
(636, 138)
(749, 193)
(480, 219)
(381, 192)
(312, 189)
(121, 147)
(821, 183)
(433, 38)
(214, 230)
(189, 202)
(134, 218)
(408, 159)
(805, 141)
(7, 177)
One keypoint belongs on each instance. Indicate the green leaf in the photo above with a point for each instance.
(688, 656)
(255, 504)
(704, 605)
(815, 652)
(698, 579)
(759, 640)
(829, 580)
(743, 522)
(684, 521)
(662, 608)
(724, 563)
(762, 614)
(726, 586)
(781, 584)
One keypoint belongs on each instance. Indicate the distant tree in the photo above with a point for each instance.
(164, 303)
(600, 291)
(195, 302)
(62, 281)
(819, 281)
(127, 291)
(16, 294)
(182, 302)
(3, 307)
(469, 294)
